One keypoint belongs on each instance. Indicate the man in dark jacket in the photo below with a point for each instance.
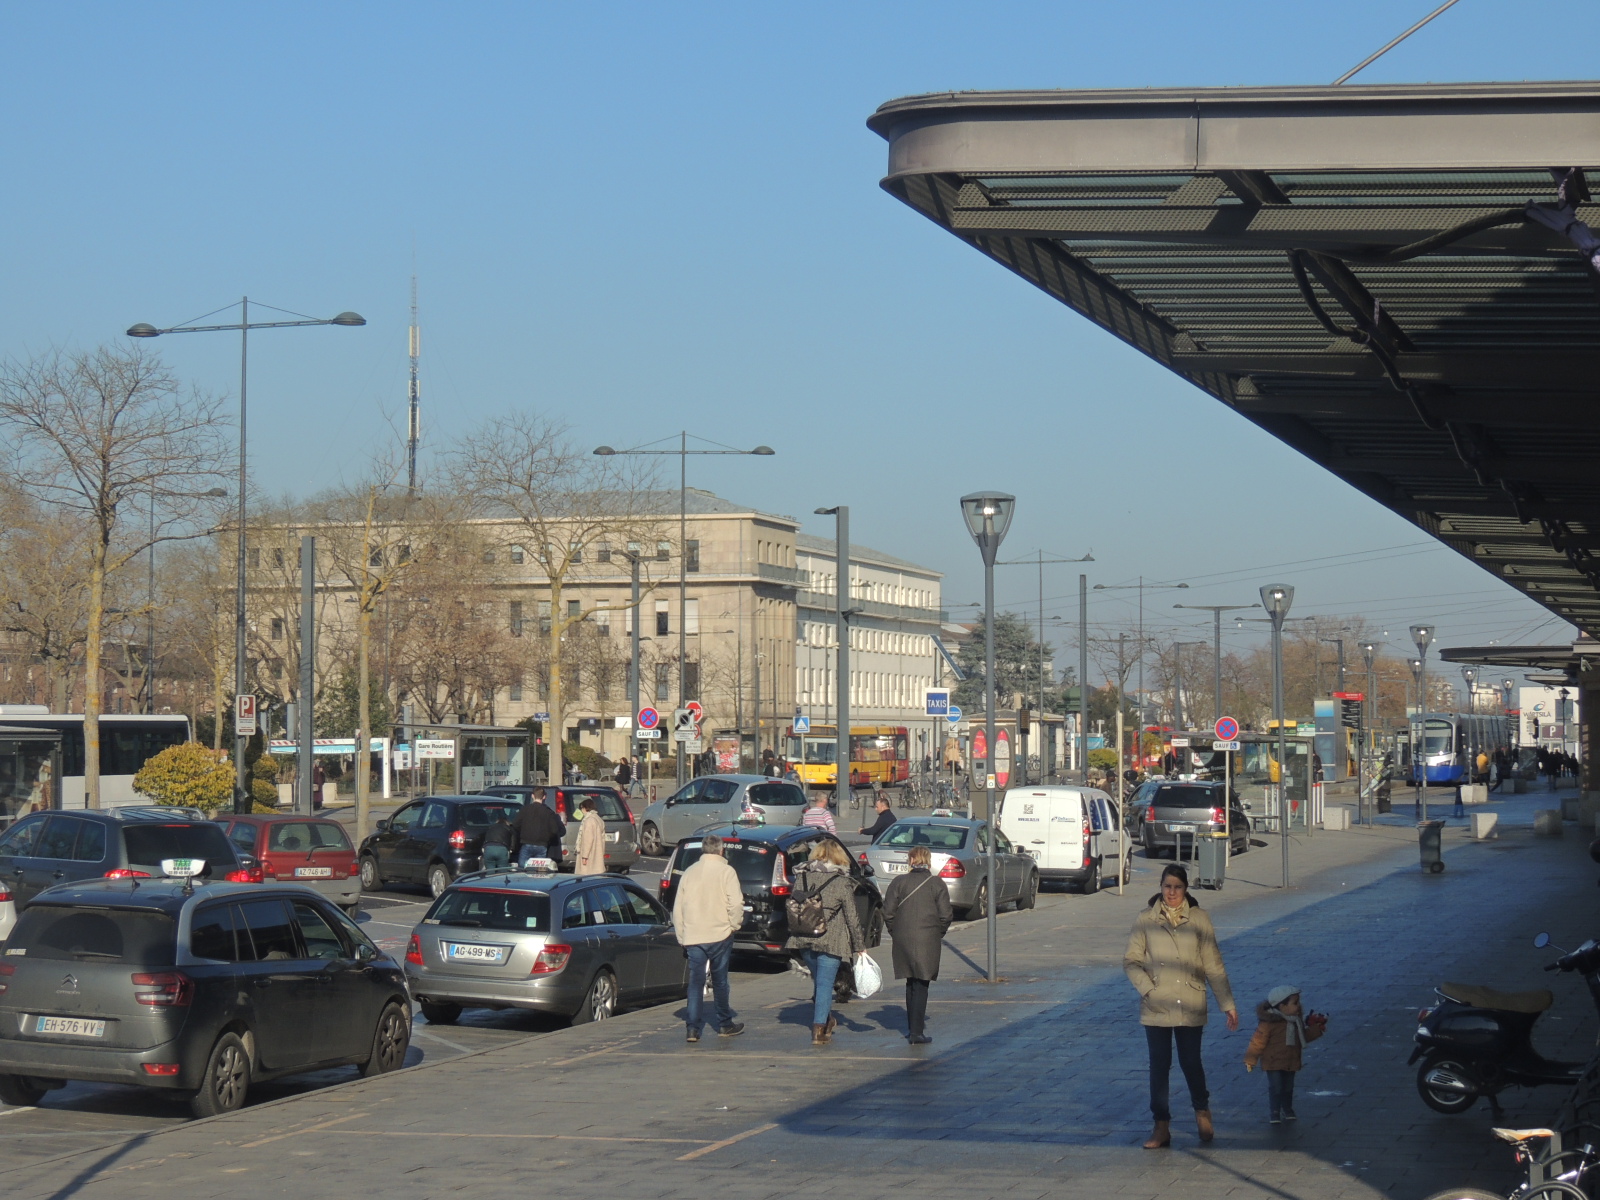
(884, 819)
(916, 909)
(539, 830)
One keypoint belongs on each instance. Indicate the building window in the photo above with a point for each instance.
(663, 681)
(576, 552)
(488, 556)
(544, 619)
(691, 679)
(277, 557)
(375, 559)
(516, 620)
(663, 619)
(569, 681)
(663, 551)
(515, 690)
(602, 552)
(518, 554)
(691, 554)
(602, 623)
(574, 609)
(253, 557)
(277, 629)
(404, 554)
(634, 550)
(275, 668)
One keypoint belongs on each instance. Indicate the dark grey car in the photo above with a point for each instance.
(1170, 814)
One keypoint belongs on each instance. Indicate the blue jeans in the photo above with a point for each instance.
(534, 850)
(1280, 1091)
(712, 955)
(1160, 1038)
(496, 857)
(824, 970)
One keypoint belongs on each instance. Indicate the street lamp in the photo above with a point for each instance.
(683, 453)
(842, 780)
(1039, 560)
(988, 516)
(150, 593)
(1216, 611)
(1422, 636)
(1369, 652)
(241, 802)
(1276, 599)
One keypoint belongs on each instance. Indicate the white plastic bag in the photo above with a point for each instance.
(868, 976)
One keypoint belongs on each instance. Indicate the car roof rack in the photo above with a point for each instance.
(155, 812)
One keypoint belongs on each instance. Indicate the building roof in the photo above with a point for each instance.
(829, 547)
(700, 503)
(1393, 280)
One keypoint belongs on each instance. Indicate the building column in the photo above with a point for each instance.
(1588, 693)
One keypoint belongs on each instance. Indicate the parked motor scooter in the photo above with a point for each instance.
(1478, 1041)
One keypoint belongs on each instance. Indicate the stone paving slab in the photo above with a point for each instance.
(1035, 1085)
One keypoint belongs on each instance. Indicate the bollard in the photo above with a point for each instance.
(1483, 825)
(1547, 822)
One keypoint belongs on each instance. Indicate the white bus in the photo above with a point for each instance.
(127, 741)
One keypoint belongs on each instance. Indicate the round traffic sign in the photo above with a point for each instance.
(649, 718)
(1227, 729)
(954, 715)
(694, 707)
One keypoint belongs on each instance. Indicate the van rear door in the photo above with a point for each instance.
(1107, 843)
(1065, 831)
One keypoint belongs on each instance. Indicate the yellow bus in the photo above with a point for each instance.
(878, 754)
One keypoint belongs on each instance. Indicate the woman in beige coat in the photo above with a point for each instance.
(1172, 955)
(591, 857)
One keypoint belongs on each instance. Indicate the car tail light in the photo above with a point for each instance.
(1218, 817)
(7, 970)
(561, 805)
(414, 951)
(780, 878)
(163, 989)
(5, 894)
(161, 1068)
(245, 875)
(355, 867)
(551, 959)
(1150, 813)
(952, 869)
(127, 873)
(269, 869)
(458, 840)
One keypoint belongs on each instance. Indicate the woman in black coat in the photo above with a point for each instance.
(916, 908)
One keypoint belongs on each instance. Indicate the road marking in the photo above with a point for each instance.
(725, 1142)
(805, 1054)
(567, 1062)
(278, 1137)
(537, 1137)
(434, 1037)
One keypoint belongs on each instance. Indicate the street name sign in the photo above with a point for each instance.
(436, 748)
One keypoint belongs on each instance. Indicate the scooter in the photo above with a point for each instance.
(1477, 1041)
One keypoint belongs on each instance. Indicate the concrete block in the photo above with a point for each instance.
(286, 795)
(1474, 793)
(1569, 808)
(1483, 824)
(1336, 816)
(1547, 822)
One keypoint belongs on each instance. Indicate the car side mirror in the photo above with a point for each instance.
(866, 869)
(1540, 942)
(246, 861)
(382, 825)
(366, 953)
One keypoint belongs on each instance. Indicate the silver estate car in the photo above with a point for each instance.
(582, 947)
(960, 849)
(719, 800)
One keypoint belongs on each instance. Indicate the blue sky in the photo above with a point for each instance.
(652, 217)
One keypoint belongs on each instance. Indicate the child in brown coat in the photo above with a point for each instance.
(1278, 1045)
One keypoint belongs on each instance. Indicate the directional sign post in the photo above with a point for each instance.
(1227, 731)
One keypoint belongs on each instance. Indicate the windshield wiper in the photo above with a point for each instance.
(95, 954)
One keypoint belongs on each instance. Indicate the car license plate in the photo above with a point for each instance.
(467, 952)
(896, 868)
(74, 1026)
(614, 836)
(1181, 829)
(313, 872)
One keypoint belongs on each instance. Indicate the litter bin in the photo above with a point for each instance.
(1430, 839)
(1211, 860)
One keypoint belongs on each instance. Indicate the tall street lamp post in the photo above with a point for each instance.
(1276, 599)
(988, 516)
(1040, 560)
(683, 453)
(241, 801)
(1216, 611)
(1369, 651)
(1422, 635)
(841, 663)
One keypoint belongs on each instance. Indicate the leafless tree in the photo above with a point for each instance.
(44, 590)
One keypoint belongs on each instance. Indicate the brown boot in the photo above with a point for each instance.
(833, 1020)
(819, 1035)
(1202, 1119)
(1160, 1136)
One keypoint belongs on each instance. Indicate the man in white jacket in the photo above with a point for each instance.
(707, 911)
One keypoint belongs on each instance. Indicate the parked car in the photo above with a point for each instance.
(198, 990)
(582, 948)
(1071, 833)
(622, 838)
(718, 800)
(430, 841)
(312, 851)
(1166, 812)
(765, 857)
(960, 854)
(45, 849)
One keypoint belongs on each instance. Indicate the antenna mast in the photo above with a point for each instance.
(414, 395)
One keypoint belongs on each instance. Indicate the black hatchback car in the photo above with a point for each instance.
(764, 857)
(50, 848)
(194, 990)
(430, 841)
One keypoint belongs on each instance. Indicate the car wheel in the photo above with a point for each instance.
(1030, 894)
(601, 1001)
(371, 880)
(875, 931)
(438, 879)
(980, 902)
(390, 1040)
(226, 1079)
(440, 1013)
(20, 1091)
(1127, 871)
(650, 840)
(352, 910)
(1092, 884)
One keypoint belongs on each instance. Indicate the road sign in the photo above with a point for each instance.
(647, 734)
(1227, 729)
(683, 722)
(694, 707)
(1349, 708)
(436, 748)
(954, 715)
(1002, 758)
(802, 724)
(244, 716)
(1349, 696)
(649, 718)
(936, 701)
(1180, 743)
(541, 716)
(1225, 745)
(694, 745)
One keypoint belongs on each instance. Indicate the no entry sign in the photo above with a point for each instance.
(1227, 729)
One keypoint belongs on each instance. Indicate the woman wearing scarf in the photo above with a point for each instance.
(1172, 955)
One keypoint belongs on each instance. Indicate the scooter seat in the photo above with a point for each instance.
(1482, 997)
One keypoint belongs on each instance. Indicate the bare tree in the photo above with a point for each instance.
(44, 590)
(94, 433)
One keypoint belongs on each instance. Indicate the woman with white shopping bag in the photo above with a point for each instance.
(916, 909)
(823, 897)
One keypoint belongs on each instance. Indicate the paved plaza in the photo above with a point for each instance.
(1034, 1086)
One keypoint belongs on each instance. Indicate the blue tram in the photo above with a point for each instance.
(1451, 743)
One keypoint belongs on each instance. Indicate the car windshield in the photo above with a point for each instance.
(487, 814)
(503, 909)
(921, 833)
(82, 934)
(751, 861)
(149, 844)
(605, 802)
(1178, 795)
(820, 750)
(307, 835)
(776, 795)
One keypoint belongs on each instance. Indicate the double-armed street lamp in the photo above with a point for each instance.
(988, 516)
(241, 800)
(1422, 636)
(1276, 598)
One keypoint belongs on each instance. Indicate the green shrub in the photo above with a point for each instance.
(1106, 760)
(190, 775)
(265, 796)
(591, 762)
(266, 767)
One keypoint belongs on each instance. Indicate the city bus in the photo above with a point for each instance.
(878, 754)
(127, 741)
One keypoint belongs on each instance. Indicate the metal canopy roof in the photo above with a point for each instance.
(1393, 280)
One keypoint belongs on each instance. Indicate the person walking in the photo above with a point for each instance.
(825, 878)
(1281, 1036)
(916, 910)
(591, 858)
(707, 912)
(1172, 955)
(624, 774)
(497, 842)
(884, 819)
(818, 815)
(539, 830)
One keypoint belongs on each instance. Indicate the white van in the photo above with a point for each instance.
(1072, 832)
